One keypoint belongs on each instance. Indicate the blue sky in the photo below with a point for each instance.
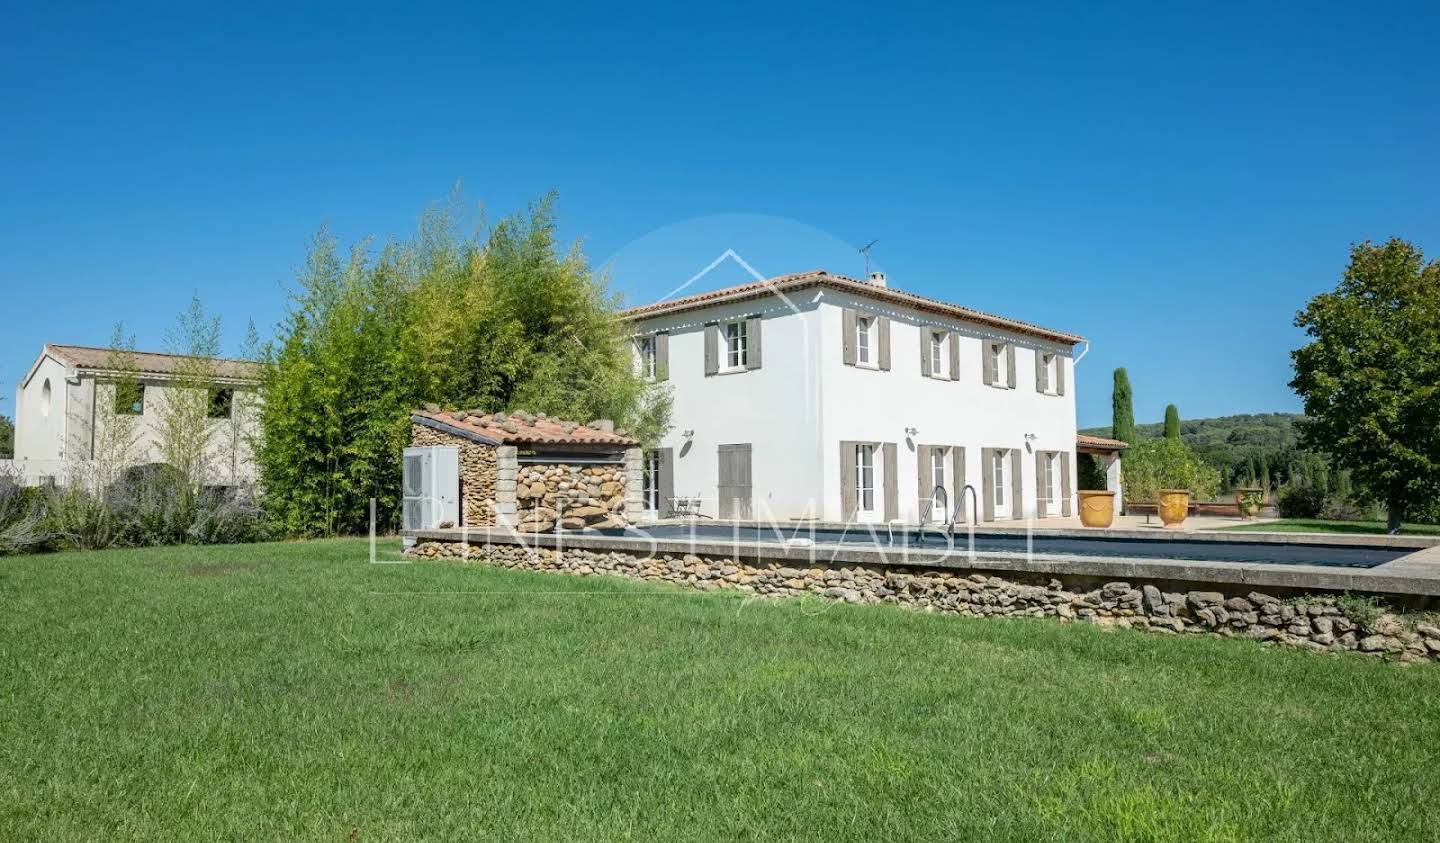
(1173, 184)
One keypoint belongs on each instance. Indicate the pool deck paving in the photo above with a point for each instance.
(1414, 574)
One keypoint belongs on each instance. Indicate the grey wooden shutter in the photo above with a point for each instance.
(1042, 489)
(927, 481)
(712, 349)
(735, 483)
(848, 503)
(884, 324)
(1040, 374)
(848, 329)
(987, 362)
(892, 485)
(1010, 363)
(926, 337)
(667, 482)
(752, 342)
(987, 482)
(954, 356)
(662, 357)
(1059, 374)
(1065, 493)
(1017, 503)
(957, 469)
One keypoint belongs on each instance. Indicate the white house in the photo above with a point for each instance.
(68, 397)
(819, 396)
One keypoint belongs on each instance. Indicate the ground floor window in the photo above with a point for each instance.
(940, 503)
(650, 482)
(865, 477)
(1000, 474)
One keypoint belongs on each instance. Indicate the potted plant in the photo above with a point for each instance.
(1248, 500)
(1174, 506)
(1097, 508)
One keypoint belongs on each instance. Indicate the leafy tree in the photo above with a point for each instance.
(505, 323)
(1122, 402)
(1172, 422)
(1370, 375)
(7, 438)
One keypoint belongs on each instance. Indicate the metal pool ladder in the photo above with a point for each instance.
(941, 495)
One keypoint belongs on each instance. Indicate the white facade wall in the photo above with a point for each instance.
(774, 408)
(804, 401)
(863, 404)
(40, 412)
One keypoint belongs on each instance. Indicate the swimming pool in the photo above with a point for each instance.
(1194, 550)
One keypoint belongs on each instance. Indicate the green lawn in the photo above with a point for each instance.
(1320, 525)
(295, 691)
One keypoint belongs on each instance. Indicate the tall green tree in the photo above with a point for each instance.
(1122, 403)
(511, 321)
(1370, 375)
(7, 438)
(1172, 422)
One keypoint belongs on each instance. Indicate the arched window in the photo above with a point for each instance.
(45, 400)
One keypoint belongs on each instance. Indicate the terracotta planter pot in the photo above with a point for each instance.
(1097, 509)
(1174, 506)
(1248, 501)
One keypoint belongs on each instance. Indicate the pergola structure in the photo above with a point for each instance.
(1108, 451)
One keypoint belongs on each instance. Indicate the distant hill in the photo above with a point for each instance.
(1244, 447)
(1262, 430)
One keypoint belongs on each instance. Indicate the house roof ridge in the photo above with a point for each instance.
(822, 276)
(107, 349)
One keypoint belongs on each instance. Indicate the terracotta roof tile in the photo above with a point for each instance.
(785, 283)
(523, 428)
(1099, 443)
(149, 362)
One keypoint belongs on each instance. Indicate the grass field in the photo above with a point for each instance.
(295, 691)
(1320, 525)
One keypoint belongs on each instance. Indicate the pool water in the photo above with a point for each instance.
(1196, 550)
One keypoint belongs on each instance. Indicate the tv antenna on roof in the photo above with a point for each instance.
(865, 250)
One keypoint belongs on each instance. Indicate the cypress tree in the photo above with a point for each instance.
(1122, 402)
(1172, 422)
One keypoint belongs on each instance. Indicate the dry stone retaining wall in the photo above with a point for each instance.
(1313, 622)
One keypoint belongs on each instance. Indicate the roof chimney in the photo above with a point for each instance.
(603, 425)
(877, 278)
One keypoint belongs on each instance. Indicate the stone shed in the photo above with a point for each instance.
(534, 472)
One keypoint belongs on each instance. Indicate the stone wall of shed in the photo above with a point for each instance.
(572, 497)
(478, 474)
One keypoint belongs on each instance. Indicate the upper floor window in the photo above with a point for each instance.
(937, 354)
(1048, 374)
(864, 356)
(736, 350)
(129, 399)
(999, 364)
(645, 346)
(222, 403)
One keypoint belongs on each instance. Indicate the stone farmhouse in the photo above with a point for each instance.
(68, 397)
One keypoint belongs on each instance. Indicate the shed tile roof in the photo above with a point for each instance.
(521, 428)
(1098, 443)
(813, 277)
(149, 362)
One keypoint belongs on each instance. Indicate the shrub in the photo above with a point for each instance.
(22, 526)
(1154, 464)
(1300, 502)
